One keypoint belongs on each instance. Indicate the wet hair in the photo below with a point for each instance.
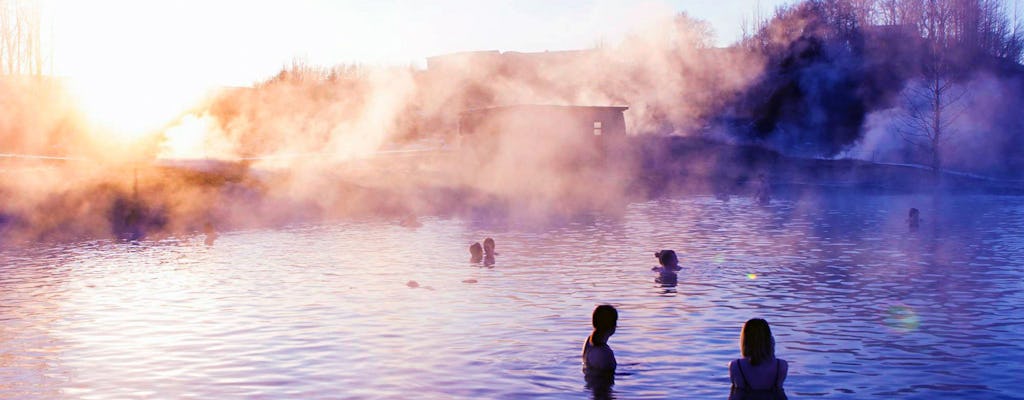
(756, 341)
(665, 257)
(605, 318)
(914, 213)
(489, 243)
(476, 250)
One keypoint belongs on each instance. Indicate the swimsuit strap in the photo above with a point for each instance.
(739, 366)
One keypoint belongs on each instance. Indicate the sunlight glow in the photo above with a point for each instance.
(129, 109)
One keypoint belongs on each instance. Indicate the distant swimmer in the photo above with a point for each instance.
(410, 221)
(758, 375)
(914, 218)
(668, 261)
(598, 357)
(669, 264)
(489, 252)
(489, 247)
(763, 191)
(211, 234)
(476, 253)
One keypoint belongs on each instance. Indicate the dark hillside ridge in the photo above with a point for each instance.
(673, 164)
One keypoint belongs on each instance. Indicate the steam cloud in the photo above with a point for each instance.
(307, 143)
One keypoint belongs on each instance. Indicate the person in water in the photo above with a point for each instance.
(476, 253)
(763, 191)
(668, 261)
(489, 251)
(489, 247)
(914, 218)
(598, 358)
(211, 234)
(758, 375)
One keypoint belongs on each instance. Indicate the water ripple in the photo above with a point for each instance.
(860, 306)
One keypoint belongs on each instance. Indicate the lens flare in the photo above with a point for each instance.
(902, 318)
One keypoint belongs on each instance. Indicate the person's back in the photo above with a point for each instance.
(759, 374)
(762, 381)
(598, 357)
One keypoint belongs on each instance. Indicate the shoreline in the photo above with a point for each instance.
(178, 197)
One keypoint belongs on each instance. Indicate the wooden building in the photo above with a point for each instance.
(544, 132)
(547, 157)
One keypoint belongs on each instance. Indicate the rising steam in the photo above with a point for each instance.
(322, 142)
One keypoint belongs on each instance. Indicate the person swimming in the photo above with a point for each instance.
(763, 190)
(476, 253)
(669, 262)
(489, 252)
(914, 218)
(489, 247)
(211, 234)
(758, 375)
(598, 357)
(410, 221)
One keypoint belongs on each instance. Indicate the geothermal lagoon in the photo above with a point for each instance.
(278, 200)
(860, 305)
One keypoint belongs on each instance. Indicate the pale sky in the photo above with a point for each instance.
(237, 42)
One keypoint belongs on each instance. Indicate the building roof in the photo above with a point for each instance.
(544, 106)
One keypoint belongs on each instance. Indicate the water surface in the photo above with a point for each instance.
(861, 306)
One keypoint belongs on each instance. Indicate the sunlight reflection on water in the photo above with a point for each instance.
(860, 306)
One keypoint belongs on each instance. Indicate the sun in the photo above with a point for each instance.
(125, 109)
(131, 67)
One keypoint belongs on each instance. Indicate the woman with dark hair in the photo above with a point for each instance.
(667, 270)
(669, 262)
(758, 375)
(598, 358)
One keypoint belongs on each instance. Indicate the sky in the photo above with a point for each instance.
(235, 42)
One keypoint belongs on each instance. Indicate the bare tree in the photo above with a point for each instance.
(932, 106)
(935, 101)
(21, 39)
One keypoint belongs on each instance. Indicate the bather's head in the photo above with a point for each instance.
(476, 252)
(756, 341)
(489, 246)
(914, 217)
(605, 320)
(667, 258)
